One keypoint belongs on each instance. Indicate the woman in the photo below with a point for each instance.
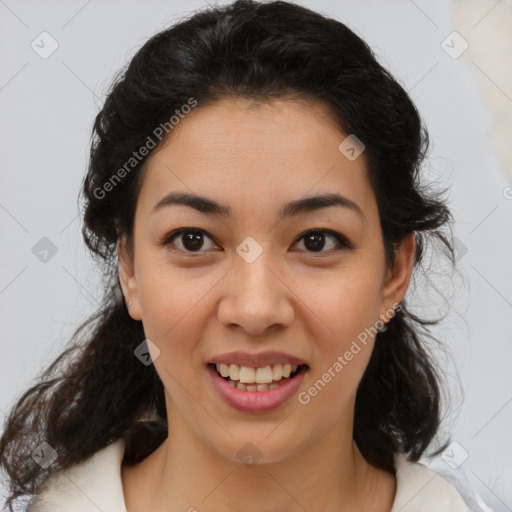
(254, 198)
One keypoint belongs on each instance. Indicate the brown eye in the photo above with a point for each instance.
(316, 240)
(190, 239)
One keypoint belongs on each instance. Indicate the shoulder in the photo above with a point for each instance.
(95, 484)
(420, 489)
(92, 485)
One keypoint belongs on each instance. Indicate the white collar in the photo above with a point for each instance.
(96, 484)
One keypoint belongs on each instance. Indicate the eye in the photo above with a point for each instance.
(191, 239)
(315, 240)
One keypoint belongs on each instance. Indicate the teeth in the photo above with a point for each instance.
(233, 371)
(223, 369)
(257, 387)
(263, 375)
(277, 372)
(247, 374)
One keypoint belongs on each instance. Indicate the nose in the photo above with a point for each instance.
(256, 298)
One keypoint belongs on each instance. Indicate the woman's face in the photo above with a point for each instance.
(251, 279)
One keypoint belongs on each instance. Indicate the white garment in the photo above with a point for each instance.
(95, 484)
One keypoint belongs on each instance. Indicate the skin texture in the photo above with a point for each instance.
(198, 304)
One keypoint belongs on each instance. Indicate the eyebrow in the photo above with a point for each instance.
(299, 206)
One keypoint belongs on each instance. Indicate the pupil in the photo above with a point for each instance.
(318, 241)
(192, 240)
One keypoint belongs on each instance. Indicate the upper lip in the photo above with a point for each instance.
(257, 360)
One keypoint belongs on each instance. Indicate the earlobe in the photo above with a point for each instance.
(127, 278)
(398, 278)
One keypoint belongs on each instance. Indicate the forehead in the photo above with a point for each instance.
(234, 128)
(273, 151)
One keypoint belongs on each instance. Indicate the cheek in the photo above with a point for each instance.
(175, 314)
(341, 361)
(342, 320)
(171, 298)
(345, 305)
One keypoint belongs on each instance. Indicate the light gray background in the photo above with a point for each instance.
(47, 110)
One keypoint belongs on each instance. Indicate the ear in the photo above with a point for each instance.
(127, 278)
(398, 278)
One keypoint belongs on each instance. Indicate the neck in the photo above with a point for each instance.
(184, 474)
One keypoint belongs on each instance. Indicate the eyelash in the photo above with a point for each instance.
(342, 241)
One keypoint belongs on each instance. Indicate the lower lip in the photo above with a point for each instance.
(255, 401)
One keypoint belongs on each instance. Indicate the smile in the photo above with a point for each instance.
(256, 390)
(271, 374)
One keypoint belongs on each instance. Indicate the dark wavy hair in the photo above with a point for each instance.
(97, 391)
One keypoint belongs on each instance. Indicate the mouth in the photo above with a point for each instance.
(261, 379)
(255, 390)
